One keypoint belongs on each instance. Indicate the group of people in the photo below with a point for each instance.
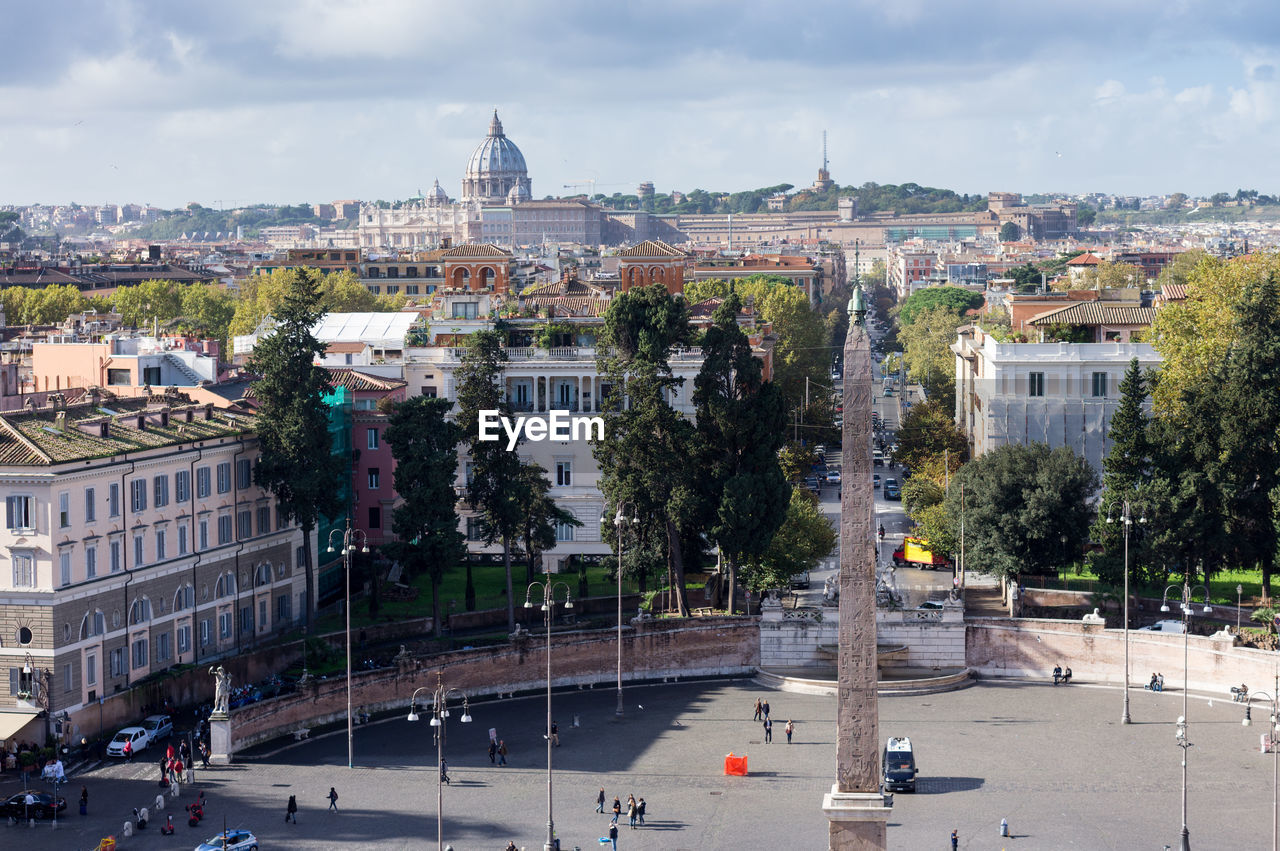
(1157, 682)
(1061, 676)
(174, 763)
(762, 715)
(635, 809)
(10, 760)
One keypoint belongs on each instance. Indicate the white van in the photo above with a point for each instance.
(1167, 626)
(899, 765)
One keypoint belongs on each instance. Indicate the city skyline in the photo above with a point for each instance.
(314, 100)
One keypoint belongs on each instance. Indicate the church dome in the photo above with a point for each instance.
(496, 167)
(518, 194)
(437, 195)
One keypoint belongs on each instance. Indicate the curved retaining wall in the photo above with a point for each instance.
(651, 650)
(1027, 647)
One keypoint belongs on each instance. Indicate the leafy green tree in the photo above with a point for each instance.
(296, 461)
(796, 460)
(741, 423)
(960, 301)
(1010, 232)
(1086, 216)
(208, 308)
(540, 515)
(496, 489)
(1125, 469)
(928, 432)
(424, 444)
(1176, 201)
(150, 301)
(52, 305)
(804, 537)
(927, 353)
(1111, 275)
(802, 349)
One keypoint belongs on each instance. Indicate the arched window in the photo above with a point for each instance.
(226, 585)
(263, 575)
(140, 611)
(184, 598)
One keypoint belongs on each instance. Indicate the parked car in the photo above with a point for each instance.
(231, 840)
(833, 477)
(43, 805)
(891, 490)
(158, 727)
(875, 480)
(811, 482)
(800, 581)
(1167, 626)
(137, 735)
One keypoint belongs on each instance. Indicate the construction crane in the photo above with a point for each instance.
(591, 185)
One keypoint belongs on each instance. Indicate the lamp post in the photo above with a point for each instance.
(1273, 744)
(349, 538)
(548, 605)
(1126, 518)
(619, 521)
(1186, 590)
(1239, 598)
(439, 712)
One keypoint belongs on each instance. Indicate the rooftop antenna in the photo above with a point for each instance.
(824, 151)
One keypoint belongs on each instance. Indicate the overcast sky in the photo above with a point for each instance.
(314, 100)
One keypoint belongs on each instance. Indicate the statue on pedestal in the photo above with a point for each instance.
(222, 696)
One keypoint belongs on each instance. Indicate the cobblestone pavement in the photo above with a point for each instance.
(1054, 761)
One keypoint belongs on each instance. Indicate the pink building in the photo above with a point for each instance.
(373, 469)
(124, 363)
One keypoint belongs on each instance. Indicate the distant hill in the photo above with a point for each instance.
(872, 198)
(199, 219)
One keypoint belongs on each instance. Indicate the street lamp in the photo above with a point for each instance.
(548, 605)
(619, 521)
(1239, 597)
(1186, 590)
(1126, 518)
(1273, 744)
(349, 538)
(439, 712)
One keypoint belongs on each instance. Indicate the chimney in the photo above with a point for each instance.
(60, 421)
(208, 411)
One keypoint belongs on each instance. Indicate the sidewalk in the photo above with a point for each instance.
(984, 602)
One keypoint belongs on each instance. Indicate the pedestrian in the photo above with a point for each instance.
(758, 711)
(600, 801)
(955, 840)
(791, 728)
(168, 752)
(128, 751)
(291, 811)
(493, 752)
(765, 708)
(1057, 676)
(84, 800)
(164, 771)
(204, 754)
(502, 752)
(640, 811)
(178, 769)
(511, 846)
(444, 771)
(768, 730)
(631, 810)
(617, 809)
(555, 734)
(184, 751)
(613, 835)
(333, 800)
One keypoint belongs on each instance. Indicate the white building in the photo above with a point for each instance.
(1061, 394)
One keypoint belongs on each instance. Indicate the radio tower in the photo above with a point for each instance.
(824, 181)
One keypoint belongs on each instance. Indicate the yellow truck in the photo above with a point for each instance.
(916, 552)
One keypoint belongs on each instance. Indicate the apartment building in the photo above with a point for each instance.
(135, 540)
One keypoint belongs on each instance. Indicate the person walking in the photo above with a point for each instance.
(128, 751)
(955, 840)
(333, 800)
(84, 800)
(204, 754)
(555, 734)
(617, 809)
(631, 810)
(493, 752)
(768, 730)
(640, 811)
(444, 771)
(764, 707)
(600, 801)
(291, 811)
(613, 835)
(758, 711)
(791, 728)
(502, 752)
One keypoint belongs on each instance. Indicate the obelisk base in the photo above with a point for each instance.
(858, 820)
(220, 739)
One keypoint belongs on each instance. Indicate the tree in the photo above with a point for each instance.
(1010, 232)
(741, 423)
(1126, 468)
(796, 460)
(296, 460)
(424, 444)
(928, 432)
(1086, 216)
(540, 515)
(960, 301)
(495, 489)
(927, 352)
(149, 302)
(1026, 507)
(1110, 275)
(1176, 201)
(802, 349)
(804, 537)
(644, 458)
(52, 305)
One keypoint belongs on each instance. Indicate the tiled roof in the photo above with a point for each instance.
(1085, 259)
(1174, 292)
(1095, 313)
(346, 348)
(569, 305)
(42, 438)
(362, 381)
(651, 248)
(562, 287)
(482, 249)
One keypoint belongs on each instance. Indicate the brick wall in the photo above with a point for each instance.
(651, 649)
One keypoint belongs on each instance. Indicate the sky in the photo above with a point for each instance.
(288, 101)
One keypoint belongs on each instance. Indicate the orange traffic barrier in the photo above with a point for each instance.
(736, 765)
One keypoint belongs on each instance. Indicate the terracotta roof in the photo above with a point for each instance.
(346, 348)
(1085, 259)
(561, 287)
(569, 305)
(1095, 313)
(1174, 292)
(362, 381)
(482, 249)
(651, 248)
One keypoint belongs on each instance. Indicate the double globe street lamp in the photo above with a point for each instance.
(349, 538)
(620, 520)
(1126, 518)
(1186, 590)
(439, 712)
(548, 590)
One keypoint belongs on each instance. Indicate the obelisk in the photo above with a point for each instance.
(855, 807)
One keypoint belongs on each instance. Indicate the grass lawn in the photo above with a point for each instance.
(1222, 585)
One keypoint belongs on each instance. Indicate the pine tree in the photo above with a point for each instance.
(1125, 469)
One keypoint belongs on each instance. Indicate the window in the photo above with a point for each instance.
(264, 519)
(224, 529)
(465, 309)
(206, 632)
(375, 517)
(224, 625)
(244, 524)
(262, 576)
(140, 653)
(564, 474)
(184, 638)
(371, 438)
(262, 613)
(185, 598)
(202, 482)
(246, 618)
(91, 670)
(375, 478)
(161, 488)
(116, 556)
(244, 474)
(564, 531)
(137, 551)
(182, 486)
(19, 512)
(119, 377)
(138, 495)
(164, 647)
(430, 391)
(1035, 384)
(64, 567)
(24, 571)
(151, 375)
(226, 585)
(224, 477)
(64, 510)
(183, 535)
(475, 529)
(90, 561)
(67, 680)
(90, 509)
(204, 534)
(117, 662)
(161, 548)
(1099, 384)
(469, 473)
(140, 611)
(113, 500)
(284, 608)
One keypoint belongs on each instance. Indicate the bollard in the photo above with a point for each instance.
(1004, 827)
(159, 802)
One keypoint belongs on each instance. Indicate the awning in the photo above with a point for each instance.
(12, 722)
